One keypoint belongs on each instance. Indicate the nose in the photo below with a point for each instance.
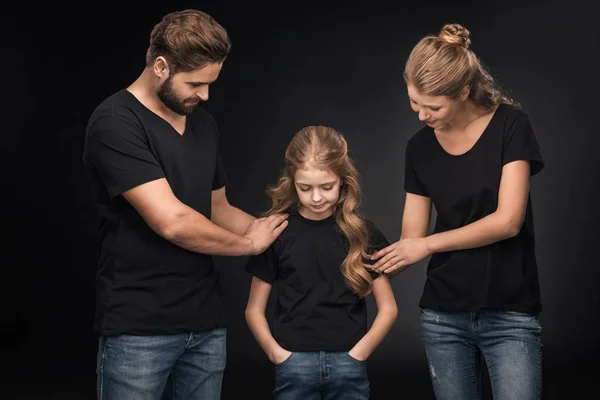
(202, 93)
(316, 196)
(422, 115)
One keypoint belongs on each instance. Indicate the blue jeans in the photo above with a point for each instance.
(509, 342)
(139, 367)
(321, 375)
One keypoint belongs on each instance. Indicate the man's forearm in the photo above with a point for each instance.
(193, 231)
(232, 218)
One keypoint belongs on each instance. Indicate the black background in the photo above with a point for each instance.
(291, 65)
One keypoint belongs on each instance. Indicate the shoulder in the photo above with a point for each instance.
(370, 225)
(376, 237)
(512, 114)
(420, 139)
(294, 226)
(113, 113)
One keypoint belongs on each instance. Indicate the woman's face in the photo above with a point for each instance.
(436, 111)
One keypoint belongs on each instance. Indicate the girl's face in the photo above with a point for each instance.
(318, 191)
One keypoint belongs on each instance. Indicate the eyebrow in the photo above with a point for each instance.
(322, 184)
(424, 105)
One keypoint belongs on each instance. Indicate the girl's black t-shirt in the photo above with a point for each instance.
(315, 310)
(463, 189)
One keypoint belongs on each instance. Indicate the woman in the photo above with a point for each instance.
(472, 161)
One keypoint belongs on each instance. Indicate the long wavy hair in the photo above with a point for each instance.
(443, 64)
(325, 148)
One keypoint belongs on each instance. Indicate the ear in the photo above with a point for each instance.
(465, 92)
(161, 67)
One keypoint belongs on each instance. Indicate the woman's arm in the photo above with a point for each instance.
(257, 321)
(387, 311)
(502, 224)
(415, 224)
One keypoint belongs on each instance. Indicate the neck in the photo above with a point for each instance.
(145, 88)
(312, 216)
(468, 113)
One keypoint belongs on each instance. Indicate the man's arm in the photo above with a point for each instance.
(227, 216)
(189, 229)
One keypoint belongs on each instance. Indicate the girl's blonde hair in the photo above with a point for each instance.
(325, 148)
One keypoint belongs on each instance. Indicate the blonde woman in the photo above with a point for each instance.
(473, 161)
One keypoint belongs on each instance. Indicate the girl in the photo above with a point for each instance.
(472, 161)
(320, 339)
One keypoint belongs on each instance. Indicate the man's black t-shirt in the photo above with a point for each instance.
(147, 285)
(464, 188)
(315, 309)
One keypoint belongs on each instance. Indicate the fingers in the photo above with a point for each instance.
(277, 219)
(382, 261)
(398, 267)
(277, 231)
(393, 262)
(383, 252)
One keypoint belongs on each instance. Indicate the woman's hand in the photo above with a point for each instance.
(400, 255)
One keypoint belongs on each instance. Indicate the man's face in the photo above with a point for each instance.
(183, 91)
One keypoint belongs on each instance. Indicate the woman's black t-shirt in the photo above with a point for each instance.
(463, 189)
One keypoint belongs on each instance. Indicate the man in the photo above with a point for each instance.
(152, 157)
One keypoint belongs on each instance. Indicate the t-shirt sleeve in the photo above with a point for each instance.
(119, 151)
(412, 183)
(377, 241)
(264, 265)
(219, 177)
(520, 143)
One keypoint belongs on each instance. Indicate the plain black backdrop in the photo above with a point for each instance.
(292, 64)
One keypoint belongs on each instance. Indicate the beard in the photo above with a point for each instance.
(167, 95)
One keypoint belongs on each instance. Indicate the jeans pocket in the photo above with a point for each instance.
(524, 321)
(353, 359)
(521, 317)
(519, 314)
(286, 360)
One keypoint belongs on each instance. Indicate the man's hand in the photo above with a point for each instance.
(263, 231)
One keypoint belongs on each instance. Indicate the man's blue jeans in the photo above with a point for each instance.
(321, 375)
(509, 342)
(139, 367)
